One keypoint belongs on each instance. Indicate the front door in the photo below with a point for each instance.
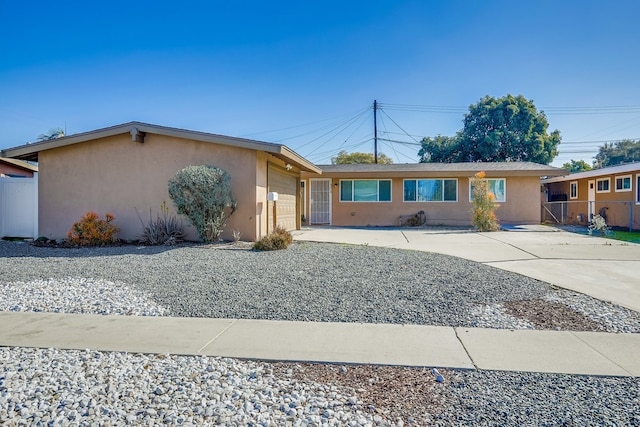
(320, 201)
(591, 199)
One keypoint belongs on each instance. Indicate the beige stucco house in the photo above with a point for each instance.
(125, 170)
(385, 195)
(613, 192)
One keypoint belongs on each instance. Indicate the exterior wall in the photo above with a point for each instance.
(7, 168)
(622, 207)
(123, 177)
(264, 208)
(522, 202)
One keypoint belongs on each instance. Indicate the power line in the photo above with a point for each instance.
(338, 129)
(303, 125)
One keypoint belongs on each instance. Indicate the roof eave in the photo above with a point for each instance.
(19, 163)
(30, 151)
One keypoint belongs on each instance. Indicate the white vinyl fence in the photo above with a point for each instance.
(19, 207)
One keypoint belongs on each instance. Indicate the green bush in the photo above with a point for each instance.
(165, 229)
(203, 194)
(278, 239)
(92, 230)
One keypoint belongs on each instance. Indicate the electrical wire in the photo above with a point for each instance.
(354, 122)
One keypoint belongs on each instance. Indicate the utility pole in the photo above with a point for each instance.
(375, 131)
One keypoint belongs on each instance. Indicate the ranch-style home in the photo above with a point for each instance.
(433, 193)
(125, 170)
(613, 192)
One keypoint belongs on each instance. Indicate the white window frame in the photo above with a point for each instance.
(430, 179)
(621, 178)
(638, 189)
(490, 179)
(608, 181)
(366, 201)
(573, 185)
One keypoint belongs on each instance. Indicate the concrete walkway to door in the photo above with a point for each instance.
(605, 269)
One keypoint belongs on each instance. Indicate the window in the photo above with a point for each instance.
(573, 190)
(497, 186)
(602, 185)
(623, 183)
(638, 188)
(430, 190)
(365, 190)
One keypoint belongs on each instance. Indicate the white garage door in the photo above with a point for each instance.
(286, 186)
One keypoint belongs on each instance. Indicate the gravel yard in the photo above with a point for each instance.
(309, 281)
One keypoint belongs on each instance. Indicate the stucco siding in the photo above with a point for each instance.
(119, 176)
(522, 203)
(621, 207)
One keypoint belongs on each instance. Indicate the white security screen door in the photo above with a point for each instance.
(591, 197)
(320, 201)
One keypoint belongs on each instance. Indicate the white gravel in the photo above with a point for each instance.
(77, 295)
(54, 387)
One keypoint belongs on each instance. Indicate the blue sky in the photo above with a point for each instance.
(306, 73)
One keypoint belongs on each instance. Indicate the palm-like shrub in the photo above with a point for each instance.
(484, 204)
(165, 229)
(203, 194)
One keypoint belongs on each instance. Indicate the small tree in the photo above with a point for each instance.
(484, 204)
(203, 194)
(574, 166)
(345, 158)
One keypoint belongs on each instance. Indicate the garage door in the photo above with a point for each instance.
(286, 186)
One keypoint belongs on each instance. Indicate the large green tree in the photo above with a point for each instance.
(611, 154)
(574, 166)
(345, 158)
(497, 130)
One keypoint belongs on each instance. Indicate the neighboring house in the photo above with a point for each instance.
(613, 192)
(385, 195)
(18, 198)
(125, 170)
(13, 168)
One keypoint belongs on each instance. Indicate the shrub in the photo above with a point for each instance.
(165, 229)
(279, 238)
(92, 230)
(484, 204)
(599, 224)
(203, 194)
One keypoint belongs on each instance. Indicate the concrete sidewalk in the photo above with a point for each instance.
(602, 268)
(588, 353)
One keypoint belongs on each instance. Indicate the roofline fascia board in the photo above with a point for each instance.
(267, 147)
(612, 170)
(301, 162)
(166, 131)
(444, 172)
(19, 163)
(36, 147)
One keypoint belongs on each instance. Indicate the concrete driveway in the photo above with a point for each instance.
(602, 268)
